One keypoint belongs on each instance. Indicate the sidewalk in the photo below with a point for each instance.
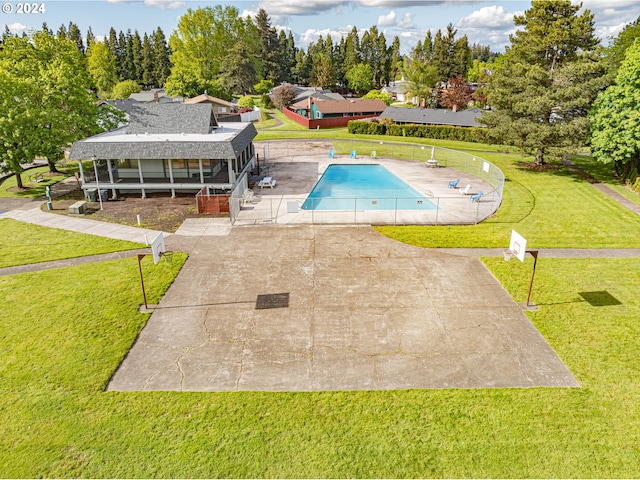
(82, 225)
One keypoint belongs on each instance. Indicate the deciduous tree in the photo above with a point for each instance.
(101, 65)
(360, 77)
(615, 116)
(283, 96)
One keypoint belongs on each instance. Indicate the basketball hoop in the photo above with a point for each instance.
(508, 254)
(168, 256)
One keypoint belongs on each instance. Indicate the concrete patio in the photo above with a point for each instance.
(297, 175)
(307, 308)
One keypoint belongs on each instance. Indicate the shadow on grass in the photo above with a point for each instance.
(600, 298)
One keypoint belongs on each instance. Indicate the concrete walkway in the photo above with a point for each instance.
(83, 225)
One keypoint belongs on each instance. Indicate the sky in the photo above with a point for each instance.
(484, 22)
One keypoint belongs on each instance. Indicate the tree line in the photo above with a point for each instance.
(542, 90)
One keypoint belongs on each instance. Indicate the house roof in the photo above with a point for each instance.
(171, 118)
(126, 105)
(355, 105)
(149, 96)
(433, 116)
(205, 98)
(152, 134)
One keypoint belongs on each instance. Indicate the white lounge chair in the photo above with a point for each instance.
(466, 190)
(267, 182)
(249, 196)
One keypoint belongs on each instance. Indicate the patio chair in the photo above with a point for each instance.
(249, 196)
(454, 184)
(466, 190)
(332, 154)
(476, 197)
(267, 182)
(353, 154)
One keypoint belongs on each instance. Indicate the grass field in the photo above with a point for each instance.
(59, 422)
(22, 244)
(66, 331)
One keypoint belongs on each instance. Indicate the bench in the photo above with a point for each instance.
(36, 177)
(78, 208)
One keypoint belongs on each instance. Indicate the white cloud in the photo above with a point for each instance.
(488, 17)
(162, 4)
(299, 7)
(387, 20)
(17, 28)
(399, 3)
(312, 35)
(406, 22)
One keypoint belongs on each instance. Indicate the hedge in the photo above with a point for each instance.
(438, 132)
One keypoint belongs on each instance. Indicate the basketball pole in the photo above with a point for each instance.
(534, 254)
(144, 295)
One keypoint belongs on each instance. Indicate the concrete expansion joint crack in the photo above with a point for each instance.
(179, 365)
(241, 366)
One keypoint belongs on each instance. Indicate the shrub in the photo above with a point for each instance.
(437, 132)
(246, 102)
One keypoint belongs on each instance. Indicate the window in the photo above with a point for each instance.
(128, 163)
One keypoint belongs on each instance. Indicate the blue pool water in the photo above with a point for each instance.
(363, 187)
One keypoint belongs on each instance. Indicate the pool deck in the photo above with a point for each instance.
(296, 177)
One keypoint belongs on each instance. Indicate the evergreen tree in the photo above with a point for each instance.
(137, 57)
(62, 32)
(352, 50)
(91, 38)
(324, 75)
(269, 48)
(161, 62)
(238, 72)
(75, 35)
(395, 58)
(128, 69)
(147, 67)
(303, 69)
(550, 77)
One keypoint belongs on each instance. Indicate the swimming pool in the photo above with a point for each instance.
(363, 187)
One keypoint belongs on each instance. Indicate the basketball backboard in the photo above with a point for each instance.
(158, 247)
(518, 245)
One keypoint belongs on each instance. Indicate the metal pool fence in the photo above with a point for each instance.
(449, 210)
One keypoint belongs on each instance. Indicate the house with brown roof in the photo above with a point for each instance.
(219, 105)
(318, 113)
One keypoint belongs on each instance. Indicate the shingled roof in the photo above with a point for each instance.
(355, 105)
(164, 131)
(171, 118)
(433, 116)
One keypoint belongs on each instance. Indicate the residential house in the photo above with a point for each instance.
(172, 147)
(317, 113)
(219, 105)
(155, 95)
(434, 116)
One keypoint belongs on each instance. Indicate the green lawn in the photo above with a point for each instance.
(23, 243)
(59, 422)
(67, 330)
(33, 188)
(551, 208)
(605, 173)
